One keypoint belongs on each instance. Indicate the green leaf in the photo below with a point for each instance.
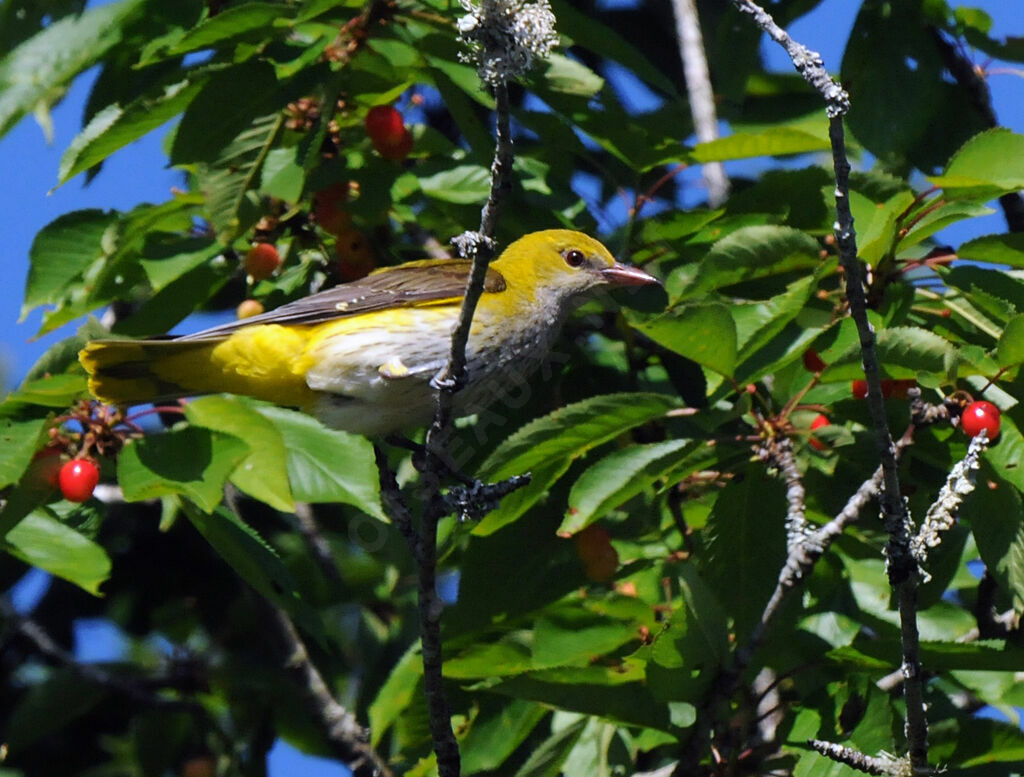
(746, 545)
(758, 322)
(61, 252)
(399, 692)
(175, 302)
(696, 635)
(574, 636)
(283, 177)
(990, 294)
(19, 441)
(938, 217)
(43, 541)
(167, 262)
(903, 352)
(876, 224)
(497, 731)
(507, 657)
(462, 185)
(546, 447)
(620, 476)
(966, 742)
(226, 107)
(547, 758)
(774, 141)
(116, 126)
(61, 355)
(251, 18)
(263, 473)
(33, 74)
(235, 172)
(705, 333)
(915, 117)
(744, 255)
(996, 515)
(326, 465)
(986, 166)
(571, 77)
(591, 691)
(189, 461)
(255, 561)
(941, 656)
(52, 391)
(1000, 249)
(1011, 343)
(588, 32)
(48, 708)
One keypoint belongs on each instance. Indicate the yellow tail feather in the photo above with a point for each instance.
(127, 372)
(264, 362)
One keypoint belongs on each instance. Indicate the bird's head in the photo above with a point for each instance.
(564, 265)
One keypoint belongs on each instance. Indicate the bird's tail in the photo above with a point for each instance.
(125, 372)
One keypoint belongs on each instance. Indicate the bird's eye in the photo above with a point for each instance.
(575, 258)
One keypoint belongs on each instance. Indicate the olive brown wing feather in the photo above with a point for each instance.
(417, 283)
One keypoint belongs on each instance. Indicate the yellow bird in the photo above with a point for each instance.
(360, 356)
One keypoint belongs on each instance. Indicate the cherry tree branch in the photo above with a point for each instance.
(700, 93)
(504, 40)
(139, 690)
(347, 738)
(902, 565)
(973, 82)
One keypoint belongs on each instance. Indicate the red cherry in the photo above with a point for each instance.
(594, 548)
(387, 132)
(813, 361)
(44, 471)
(980, 415)
(261, 261)
(398, 150)
(900, 388)
(890, 388)
(818, 422)
(328, 208)
(355, 259)
(78, 479)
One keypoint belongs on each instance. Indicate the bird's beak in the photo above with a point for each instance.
(623, 275)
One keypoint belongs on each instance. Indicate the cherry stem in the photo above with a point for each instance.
(992, 380)
(155, 409)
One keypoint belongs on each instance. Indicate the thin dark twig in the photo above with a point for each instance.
(317, 544)
(139, 690)
(700, 93)
(974, 83)
(394, 504)
(347, 738)
(902, 566)
(481, 248)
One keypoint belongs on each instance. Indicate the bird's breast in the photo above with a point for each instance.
(371, 373)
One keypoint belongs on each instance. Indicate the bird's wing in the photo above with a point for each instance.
(426, 282)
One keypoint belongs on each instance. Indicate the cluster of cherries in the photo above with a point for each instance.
(390, 138)
(76, 479)
(977, 416)
(102, 432)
